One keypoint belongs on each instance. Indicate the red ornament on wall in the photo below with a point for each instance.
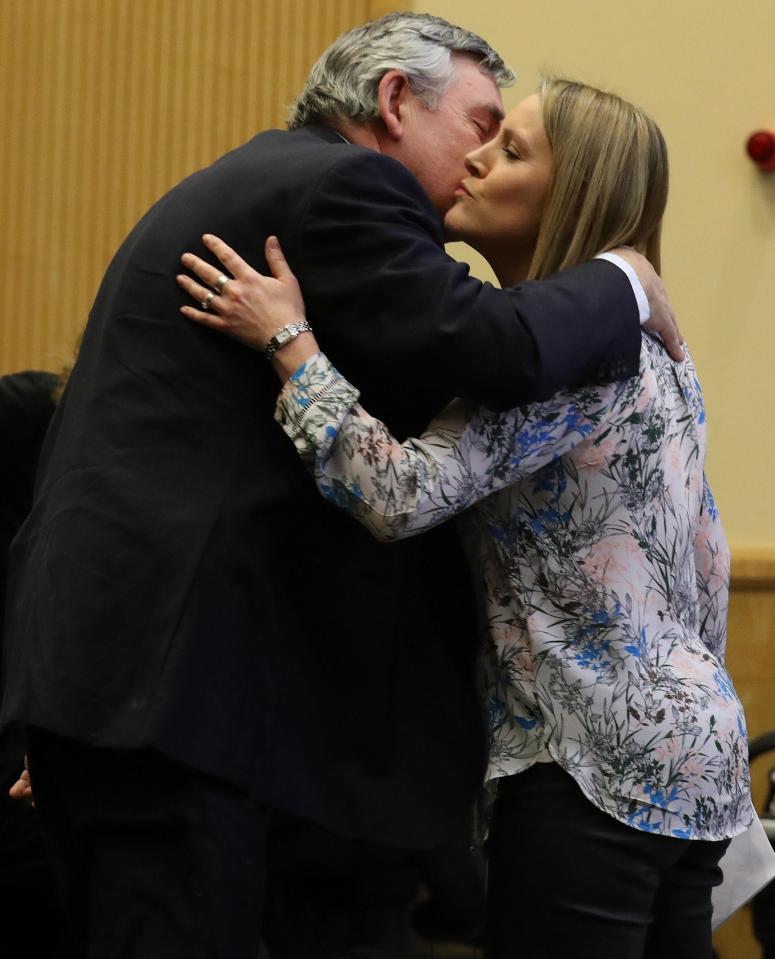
(761, 149)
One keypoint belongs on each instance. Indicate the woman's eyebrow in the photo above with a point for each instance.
(513, 133)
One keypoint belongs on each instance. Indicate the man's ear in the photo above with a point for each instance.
(392, 94)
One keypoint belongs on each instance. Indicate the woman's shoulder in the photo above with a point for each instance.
(653, 353)
(669, 380)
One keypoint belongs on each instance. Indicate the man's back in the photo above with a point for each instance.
(180, 584)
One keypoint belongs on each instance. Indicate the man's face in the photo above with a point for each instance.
(435, 142)
(500, 204)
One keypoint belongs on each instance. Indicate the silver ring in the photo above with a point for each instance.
(205, 303)
(221, 282)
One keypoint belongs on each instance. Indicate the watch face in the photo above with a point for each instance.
(283, 336)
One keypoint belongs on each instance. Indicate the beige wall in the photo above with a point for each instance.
(705, 70)
(106, 104)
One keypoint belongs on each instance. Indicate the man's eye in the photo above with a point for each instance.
(482, 131)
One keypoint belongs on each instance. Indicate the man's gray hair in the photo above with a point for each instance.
(345, 80)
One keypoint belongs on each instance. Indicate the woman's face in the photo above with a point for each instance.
(498, 207)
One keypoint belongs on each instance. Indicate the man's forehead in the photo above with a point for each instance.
(476, 88)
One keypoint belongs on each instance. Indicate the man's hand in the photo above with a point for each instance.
(662, 321)
(22, 789)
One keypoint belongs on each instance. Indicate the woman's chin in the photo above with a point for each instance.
(455, 233)
(454, 224)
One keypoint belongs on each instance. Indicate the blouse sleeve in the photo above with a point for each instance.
(711, 559)
(399, 489)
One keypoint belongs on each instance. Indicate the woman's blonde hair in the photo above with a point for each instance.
(609, 179)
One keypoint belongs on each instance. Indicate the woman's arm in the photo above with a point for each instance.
(400, 489)
(395, 489)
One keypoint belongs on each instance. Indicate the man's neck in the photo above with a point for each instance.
(360, 134)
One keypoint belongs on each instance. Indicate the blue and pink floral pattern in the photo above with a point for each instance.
(603, 572)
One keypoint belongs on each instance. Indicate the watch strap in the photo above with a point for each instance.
(284, 335)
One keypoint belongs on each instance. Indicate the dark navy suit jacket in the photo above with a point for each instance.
(180, 584)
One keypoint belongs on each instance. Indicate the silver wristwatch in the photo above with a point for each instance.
(284, 336)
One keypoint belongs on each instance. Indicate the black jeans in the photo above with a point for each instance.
(568, 881)
(156, 861)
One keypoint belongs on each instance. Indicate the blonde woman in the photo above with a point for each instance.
(616, 734)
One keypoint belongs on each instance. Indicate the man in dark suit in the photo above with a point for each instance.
(194, 637)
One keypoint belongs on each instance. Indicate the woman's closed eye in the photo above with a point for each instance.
(511, 154)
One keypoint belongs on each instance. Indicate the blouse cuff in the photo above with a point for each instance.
(312, 404)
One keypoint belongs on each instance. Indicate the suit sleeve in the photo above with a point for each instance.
(414, 330)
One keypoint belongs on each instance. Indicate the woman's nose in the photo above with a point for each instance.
(473, 163)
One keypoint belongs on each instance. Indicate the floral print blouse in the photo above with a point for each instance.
(603, 571)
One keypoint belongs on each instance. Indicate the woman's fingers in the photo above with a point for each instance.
(202, 294)
(232, 261)
(211, 275)
(291, 295)
(212, 320)
(250, 307)
(207, 273)
(275, 258)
